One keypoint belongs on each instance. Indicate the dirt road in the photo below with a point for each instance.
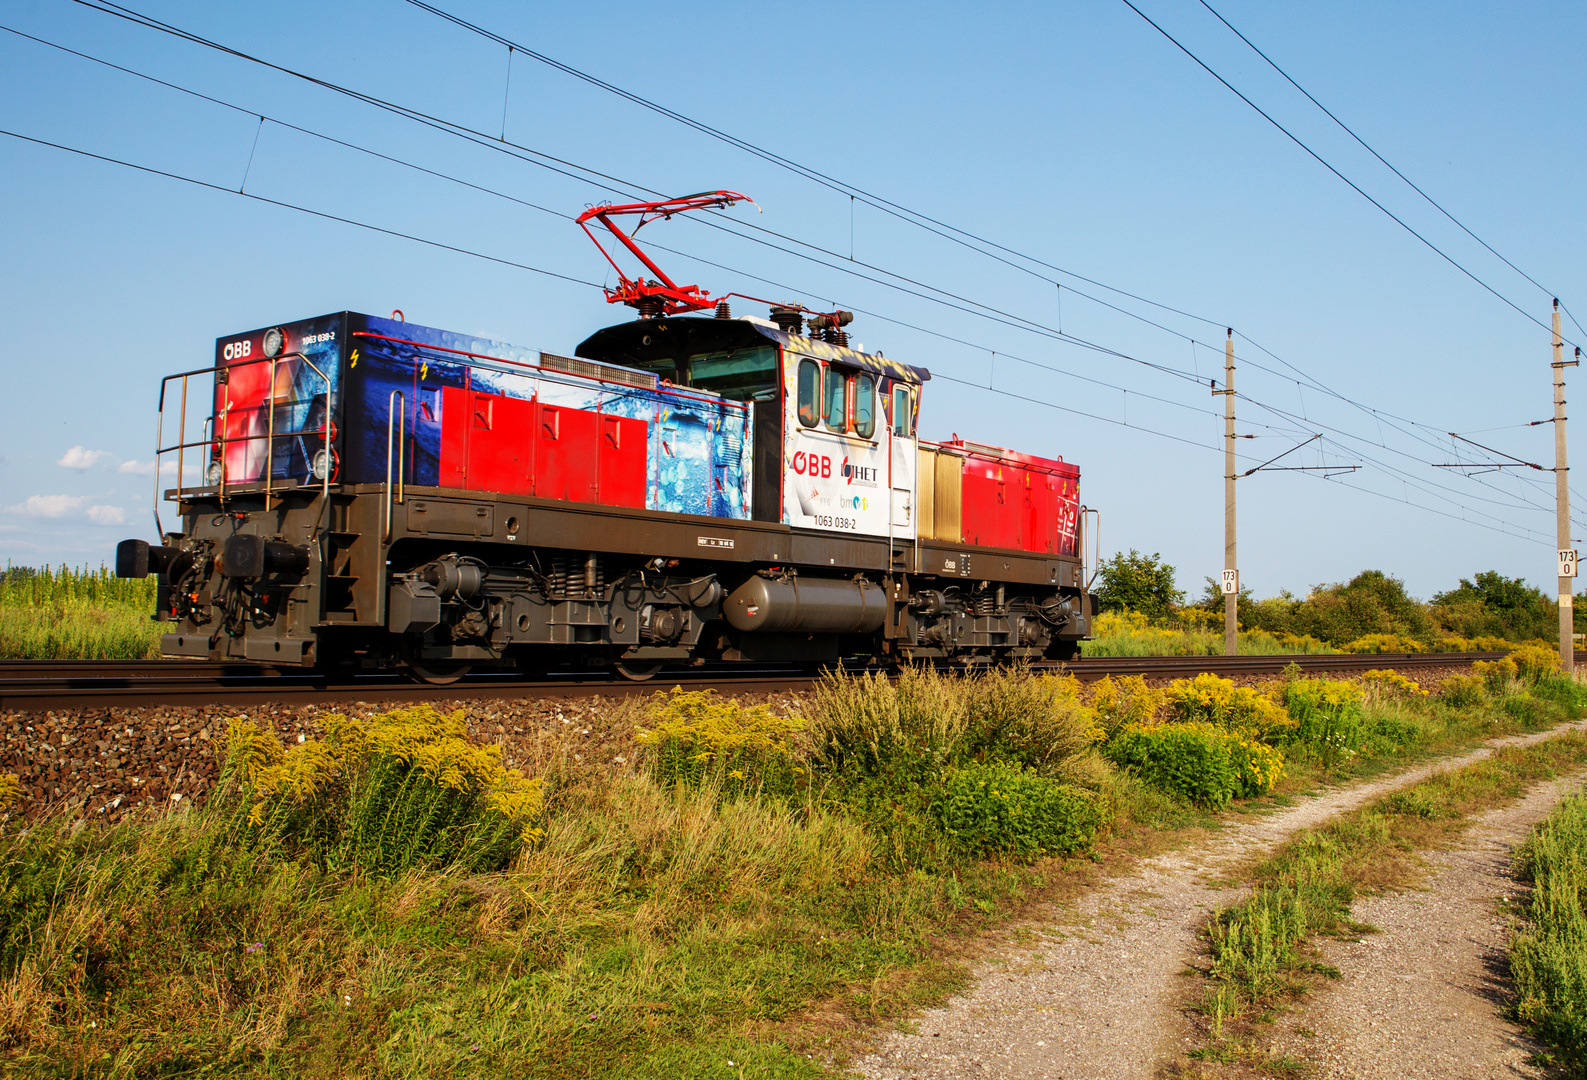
(1095, 993)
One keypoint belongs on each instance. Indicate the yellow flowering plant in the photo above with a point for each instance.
(387, 792)
(1125, 700)
(1329, 723)
(1386, 682)
(695, 737)
(1200, 762)
(1215, 700)
(10, 791)
(1384, 643)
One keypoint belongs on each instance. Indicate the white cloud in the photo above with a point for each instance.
(10, 528)
(146, 468)
(107, 515)
(81, 458)
(48, 506)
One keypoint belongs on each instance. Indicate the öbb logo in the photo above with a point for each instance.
(816, 465)
(236, 350)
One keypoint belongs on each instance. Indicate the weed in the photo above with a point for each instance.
(697, 738)
(1548, 958)
(402, 789)
(999, 809)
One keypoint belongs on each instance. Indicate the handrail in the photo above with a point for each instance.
(182, 443)
(1095, 535)
(395, 423)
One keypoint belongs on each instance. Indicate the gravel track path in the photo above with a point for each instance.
(1422, 997)
(1096, 994)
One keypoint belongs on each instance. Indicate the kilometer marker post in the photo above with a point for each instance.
(1567, 553)
(1231, 571)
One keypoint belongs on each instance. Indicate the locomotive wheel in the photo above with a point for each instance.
(440, 674)
(636, 670)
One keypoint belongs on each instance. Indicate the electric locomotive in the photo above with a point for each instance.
(366, 493)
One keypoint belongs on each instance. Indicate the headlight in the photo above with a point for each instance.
(273, 341)
(322, 464)
(214, 473)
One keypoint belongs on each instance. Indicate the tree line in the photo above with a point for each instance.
(1372, 602)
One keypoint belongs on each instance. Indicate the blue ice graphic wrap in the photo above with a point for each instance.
(698, 452)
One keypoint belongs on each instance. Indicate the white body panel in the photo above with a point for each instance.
(841, 482)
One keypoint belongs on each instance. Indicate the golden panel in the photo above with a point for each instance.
(947, 523)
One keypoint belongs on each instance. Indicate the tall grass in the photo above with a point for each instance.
(1132, 634)
(1548, 959)
(650, 930)
(62, 613)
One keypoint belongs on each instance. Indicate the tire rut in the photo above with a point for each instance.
(1423, 997)
(1097, 993)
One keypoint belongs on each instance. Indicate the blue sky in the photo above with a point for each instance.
(1071, 132)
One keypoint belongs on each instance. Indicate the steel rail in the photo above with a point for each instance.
(33, 685)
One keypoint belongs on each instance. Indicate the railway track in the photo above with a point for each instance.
(84, 684)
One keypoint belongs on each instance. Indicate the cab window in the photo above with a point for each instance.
(903, 413)
(834, 405)
(740, 375)
(864, 406)
(809, 392)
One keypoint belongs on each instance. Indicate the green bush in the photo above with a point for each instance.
(886, 748)
(1000, 809)
(1548, 960)
(1198, 762)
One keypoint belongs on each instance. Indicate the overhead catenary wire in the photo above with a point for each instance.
(448, 126)
(542, 159)
(1385, 162)
(897, 209)
(1450, 259)
(405, 163)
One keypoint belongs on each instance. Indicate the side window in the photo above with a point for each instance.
(864, 406)
(809, 392)
(903, 413)
(835, 406)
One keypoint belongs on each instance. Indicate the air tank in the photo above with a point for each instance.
(806, 606)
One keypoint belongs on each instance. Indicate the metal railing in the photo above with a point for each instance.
(396, 424)
(216, 433)
(1094, 534)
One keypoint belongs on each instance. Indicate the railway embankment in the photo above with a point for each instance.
(103, 761)
(698, 887)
